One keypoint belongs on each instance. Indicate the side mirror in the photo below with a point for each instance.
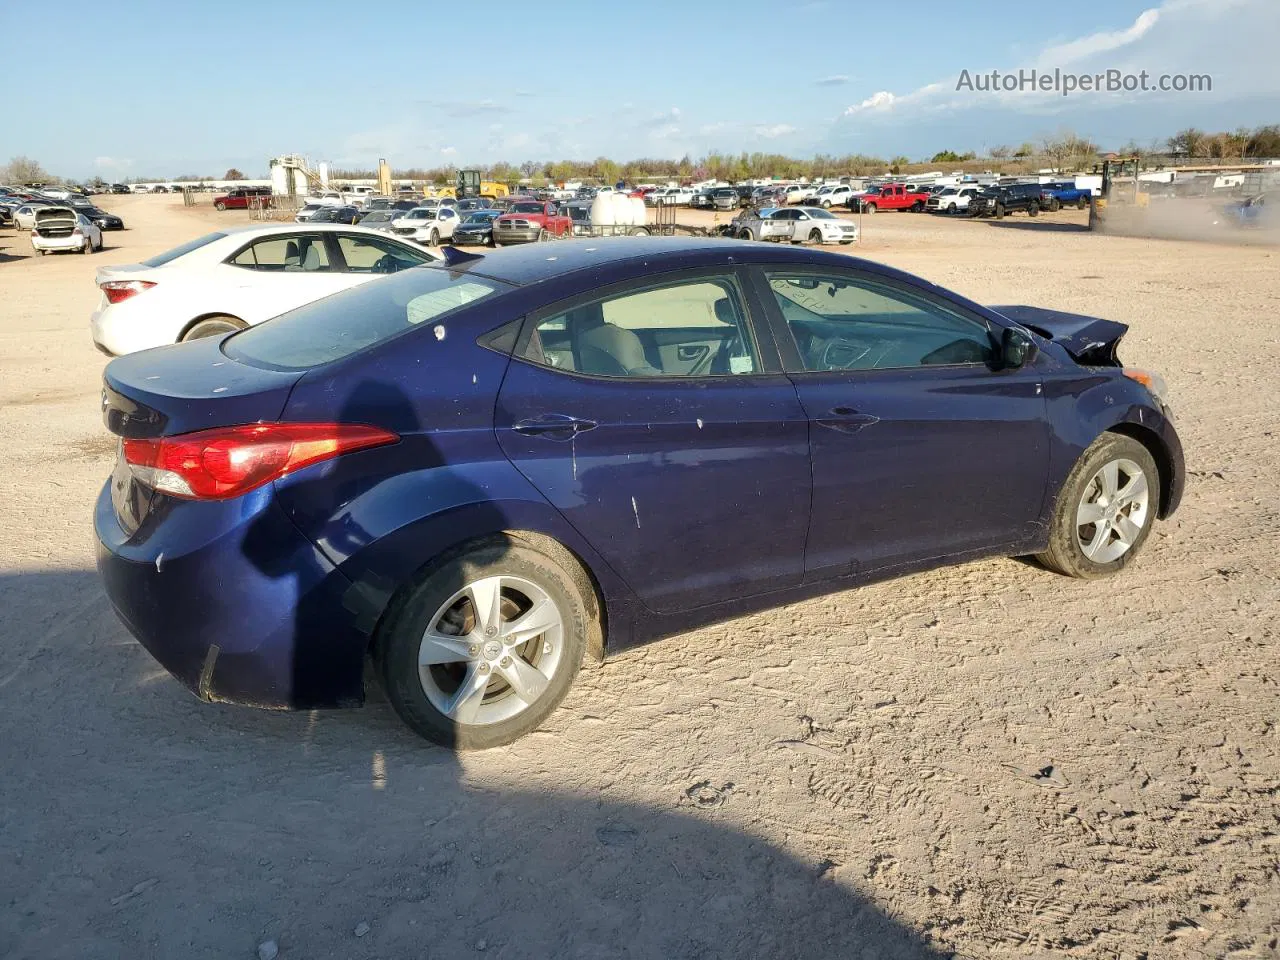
(1016, 348)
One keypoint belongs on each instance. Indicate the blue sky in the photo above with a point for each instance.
(168, 89)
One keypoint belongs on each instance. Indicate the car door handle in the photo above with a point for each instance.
(554, 426)
(846, 420)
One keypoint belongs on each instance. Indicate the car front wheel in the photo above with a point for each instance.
(1105, 509)
(482, 649)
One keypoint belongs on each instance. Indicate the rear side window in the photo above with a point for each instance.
(691, 328)
(297, 253)
(343, 324)
(160, 259)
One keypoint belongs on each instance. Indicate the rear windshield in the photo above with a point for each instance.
(160, 259)
(340, 325)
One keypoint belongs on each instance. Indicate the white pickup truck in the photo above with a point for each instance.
(952, 199)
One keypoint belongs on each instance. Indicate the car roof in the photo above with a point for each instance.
(537, 262)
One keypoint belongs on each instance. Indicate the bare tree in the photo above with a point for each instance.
(25, 170)
(1000, 152)
(233, 174)
(1188, 143)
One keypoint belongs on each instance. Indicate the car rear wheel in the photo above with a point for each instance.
(1105, 509)
(214, 327)
(219, 206)
(483, 647)
(917, 207)
(1082, 203)
(869, 208)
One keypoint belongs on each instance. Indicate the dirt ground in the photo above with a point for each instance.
(987, 761)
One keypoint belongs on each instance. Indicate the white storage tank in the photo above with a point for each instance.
(621, 209)
(638, 215)
(602, 210)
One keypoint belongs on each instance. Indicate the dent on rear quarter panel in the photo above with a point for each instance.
(382, 514)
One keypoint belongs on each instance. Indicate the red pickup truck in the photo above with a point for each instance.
(527, 220)
(892, 196)
(242, 198)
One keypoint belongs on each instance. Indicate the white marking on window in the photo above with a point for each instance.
(636, 511)
(439, 331)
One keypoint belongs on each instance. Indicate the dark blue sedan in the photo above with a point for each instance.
(481, 471)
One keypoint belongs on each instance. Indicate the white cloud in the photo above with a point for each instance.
(834, 80)
(884, 100)
(1217, 37)
(772, 132)
(113, 163)
(1096, 43)
(666, 133)
(448, 151)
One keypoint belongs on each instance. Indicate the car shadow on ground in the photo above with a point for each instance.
(1035, 223)
(138, 821)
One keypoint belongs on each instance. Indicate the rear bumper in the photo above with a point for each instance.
(57, 243)
(234, 602)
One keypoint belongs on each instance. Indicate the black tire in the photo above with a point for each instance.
(1065, 555)
(868, 208)
(399, 639)
(1033, 210)
(87, 247)
(640, 232)
(1082, 203)
(951, 208)
(219, 206)
(215, 326)
(745, 234)
(999, 211)
(543, 236)
(815, 235)
(917, 207)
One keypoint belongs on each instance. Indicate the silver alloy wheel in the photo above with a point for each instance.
(1113, 511)
(491, 650)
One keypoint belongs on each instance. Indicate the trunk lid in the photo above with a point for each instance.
(55, 221)
(179, 389)
(1090, 341)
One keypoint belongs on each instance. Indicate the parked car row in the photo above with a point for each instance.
(57, 219)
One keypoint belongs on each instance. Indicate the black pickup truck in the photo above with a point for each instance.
(1008, 198)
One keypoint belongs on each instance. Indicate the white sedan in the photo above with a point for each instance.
(233, 279)
(64, 228)
(427, 225)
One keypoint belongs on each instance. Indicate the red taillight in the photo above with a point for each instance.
(227, 462)
(117, 290)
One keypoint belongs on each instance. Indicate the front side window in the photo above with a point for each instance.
(855, 322)
(375, 255)
(691, 328)
(295, 253)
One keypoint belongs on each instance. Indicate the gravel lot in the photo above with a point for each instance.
(984, 761)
